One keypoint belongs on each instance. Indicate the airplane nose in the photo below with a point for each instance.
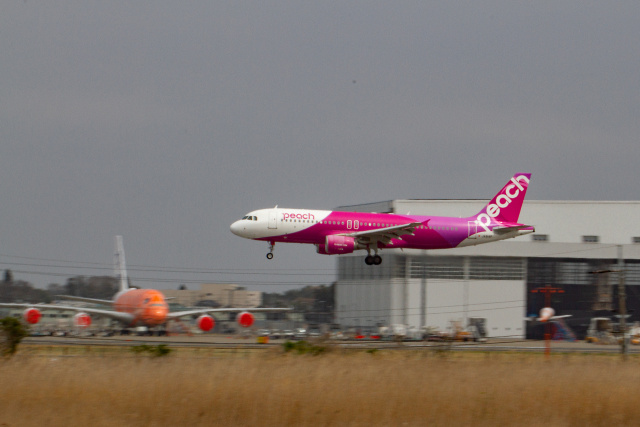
(156, 315)
(237, 228)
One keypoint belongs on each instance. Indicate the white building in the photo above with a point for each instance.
(495, 280)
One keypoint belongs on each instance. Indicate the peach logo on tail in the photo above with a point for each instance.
(510, 192)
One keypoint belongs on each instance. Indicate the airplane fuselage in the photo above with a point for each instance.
(147, 306)
(339, 232)
(313, 226)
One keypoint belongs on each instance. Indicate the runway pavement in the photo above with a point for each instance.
(227, 341)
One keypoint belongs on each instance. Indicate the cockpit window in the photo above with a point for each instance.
(255, 218)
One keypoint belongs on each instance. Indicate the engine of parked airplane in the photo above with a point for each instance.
(245, 319)
(31, 315)
(82, 320)
(205, 322)
(334, 245)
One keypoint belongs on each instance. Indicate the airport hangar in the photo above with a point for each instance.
(495, 280)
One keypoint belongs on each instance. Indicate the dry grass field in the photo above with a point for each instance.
(336, 389)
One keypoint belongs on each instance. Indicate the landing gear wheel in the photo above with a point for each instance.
(271, 246)
(377, 260)
(369, 260)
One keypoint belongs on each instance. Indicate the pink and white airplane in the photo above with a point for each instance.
(335, 232)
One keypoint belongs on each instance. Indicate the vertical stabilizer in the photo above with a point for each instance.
(120, 266)
(506, 205)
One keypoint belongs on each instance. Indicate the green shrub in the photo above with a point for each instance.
(153, 350)
(304, 347)
(12, 331)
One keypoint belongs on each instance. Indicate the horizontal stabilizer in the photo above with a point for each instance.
(504, 230)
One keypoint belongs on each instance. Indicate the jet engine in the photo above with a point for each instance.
(334, 245)
(245, 319)
(205, 322)
(82, 320)
(32, 315)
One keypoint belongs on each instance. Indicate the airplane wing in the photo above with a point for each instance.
(540, 319)
(385, 234)
(560, 317)
(83, 299)
(123, 317)
(178, 314)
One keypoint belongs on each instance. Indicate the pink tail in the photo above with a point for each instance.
(505, 206)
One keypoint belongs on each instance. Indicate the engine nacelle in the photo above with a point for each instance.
(334, 245)
(205, 322)
(82, 320)
(245, 319)
(31, 315)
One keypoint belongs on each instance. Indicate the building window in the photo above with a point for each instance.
(636, 239)
(590, 239)
(496, 268)
(540, 237)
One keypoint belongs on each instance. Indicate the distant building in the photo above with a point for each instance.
(226, 295)
(494, 281)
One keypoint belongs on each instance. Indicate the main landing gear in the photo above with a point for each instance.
(373, 259)
(270, 254)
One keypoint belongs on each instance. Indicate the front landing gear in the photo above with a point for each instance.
(373, 259)
(270, 254)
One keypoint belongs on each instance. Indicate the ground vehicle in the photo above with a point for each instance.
(478, 328)
(275, 334)
(314, 333)
(600, 331)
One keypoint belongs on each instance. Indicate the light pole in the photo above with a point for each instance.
(622, 300)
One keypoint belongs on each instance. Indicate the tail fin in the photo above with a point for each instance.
(506, 205)
(120, 266)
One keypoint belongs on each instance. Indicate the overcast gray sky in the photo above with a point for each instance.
(166, 121)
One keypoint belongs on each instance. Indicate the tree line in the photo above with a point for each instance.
(101, 287)
(309, 299)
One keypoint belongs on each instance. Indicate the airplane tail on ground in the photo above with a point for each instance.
(120, 266)
(506, 205)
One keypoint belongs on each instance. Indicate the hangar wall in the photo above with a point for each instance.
(494, 281)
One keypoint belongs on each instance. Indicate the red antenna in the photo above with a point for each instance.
(547, 290)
